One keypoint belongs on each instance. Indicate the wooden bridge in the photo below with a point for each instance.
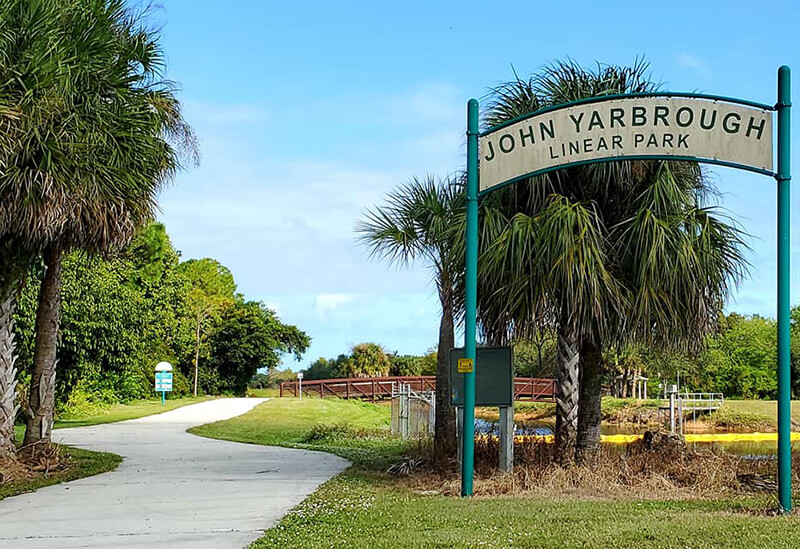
(377, 388)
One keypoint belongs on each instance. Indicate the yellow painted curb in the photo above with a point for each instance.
(699, 437)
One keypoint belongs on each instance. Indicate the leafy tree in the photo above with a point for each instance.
(624, 364)
(212, 290)
(410, 365)
(742, 359)
(272, 379)
(585, 250)
(249, 336)
(405, 365)
(417, 223)
(276, 377)
(535, 357)
(323, 368)
(116, 324)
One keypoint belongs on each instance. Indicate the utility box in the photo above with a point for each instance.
(494, 377)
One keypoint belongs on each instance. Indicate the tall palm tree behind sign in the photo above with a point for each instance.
(607, 253)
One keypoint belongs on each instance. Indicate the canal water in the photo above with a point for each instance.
(755, 449)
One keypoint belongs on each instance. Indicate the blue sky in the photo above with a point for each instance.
(309, 112)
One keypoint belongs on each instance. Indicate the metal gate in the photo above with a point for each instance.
(413, 412)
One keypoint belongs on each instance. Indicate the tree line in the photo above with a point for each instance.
(371, 360)
(122, 315)
(738, 359)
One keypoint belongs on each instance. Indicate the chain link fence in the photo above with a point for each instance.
(413, 412)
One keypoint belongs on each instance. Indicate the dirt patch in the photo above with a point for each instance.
(46, 462)
(12, 470)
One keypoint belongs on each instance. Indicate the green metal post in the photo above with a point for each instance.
(470, 301)
(784, 379)
(163, 397)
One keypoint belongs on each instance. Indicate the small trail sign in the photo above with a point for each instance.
(465, 365)
(163, 381)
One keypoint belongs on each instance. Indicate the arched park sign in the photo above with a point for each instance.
(667, 126)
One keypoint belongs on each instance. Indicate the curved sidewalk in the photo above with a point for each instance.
(173, 489)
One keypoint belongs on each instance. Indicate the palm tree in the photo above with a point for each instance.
(416, 223)
(607, 254)
(368, 360)
(14, 265)
(26, 63)
(95, 144)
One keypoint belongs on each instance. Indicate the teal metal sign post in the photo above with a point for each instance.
(470, 300)
(658, 126)
(784, 178)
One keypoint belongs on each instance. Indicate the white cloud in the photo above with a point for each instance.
(326, 303)
(693, 62)
(277, 203)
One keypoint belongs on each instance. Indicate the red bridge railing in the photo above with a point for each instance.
(375, 388)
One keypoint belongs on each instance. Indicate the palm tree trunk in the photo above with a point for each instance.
(567, 396)
(196, 357)
(589, 409)
(8, 372)
(444, 440)
(41, 402)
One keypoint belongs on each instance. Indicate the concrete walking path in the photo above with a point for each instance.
(173, 489)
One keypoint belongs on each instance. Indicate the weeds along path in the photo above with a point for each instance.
(173, 489)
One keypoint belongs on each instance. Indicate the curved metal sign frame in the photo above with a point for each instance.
(709, 144)
(703, 100)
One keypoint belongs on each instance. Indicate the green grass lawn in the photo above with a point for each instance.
(265, 393)
(762, 407)
(354, 510)
(85, 463)
(118, 412)
(364, 508)
(122, 412)
(358, 431)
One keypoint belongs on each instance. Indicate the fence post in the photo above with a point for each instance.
(506, 438)
(460, 431)
(431, 412)
(672, 391)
